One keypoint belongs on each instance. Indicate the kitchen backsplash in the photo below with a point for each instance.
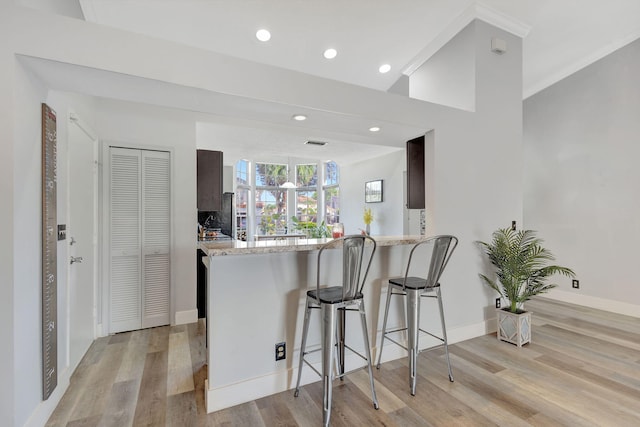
(219, 219)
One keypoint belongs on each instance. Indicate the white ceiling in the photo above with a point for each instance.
(559, 38)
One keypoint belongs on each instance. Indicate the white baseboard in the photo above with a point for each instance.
(276, 382)
(43, 411)
(618, 307)
(186, 316)
(254, 388)
(246, 391)
(463, 333)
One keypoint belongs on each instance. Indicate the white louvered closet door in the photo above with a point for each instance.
(155, 238)
(140, 237)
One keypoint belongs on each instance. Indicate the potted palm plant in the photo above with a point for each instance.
(522, 270)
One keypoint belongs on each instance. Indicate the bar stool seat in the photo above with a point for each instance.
(332, 295)
(437, 252)
(334, 302)
(411, 283)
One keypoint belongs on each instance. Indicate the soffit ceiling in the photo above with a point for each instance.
(559, 37)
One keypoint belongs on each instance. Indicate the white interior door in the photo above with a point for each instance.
(125, 240)
(156, 242)
(139, 239)
(82, 239)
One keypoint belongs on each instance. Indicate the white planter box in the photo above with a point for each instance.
(513, 327)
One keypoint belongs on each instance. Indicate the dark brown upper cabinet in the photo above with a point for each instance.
(415, 173)
(209, 180)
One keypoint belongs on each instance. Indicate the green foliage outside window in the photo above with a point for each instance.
(271, 201)
(310, 229)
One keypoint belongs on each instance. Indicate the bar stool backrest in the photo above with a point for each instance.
(353, 257)
(440, 248)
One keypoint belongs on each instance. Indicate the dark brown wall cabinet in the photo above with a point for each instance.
(209, 180)
(415, 173)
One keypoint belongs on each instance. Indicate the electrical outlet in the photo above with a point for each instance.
(498, 303)
(575, 284)
(281, 351)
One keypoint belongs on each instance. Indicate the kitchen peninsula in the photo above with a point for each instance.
(256, 297)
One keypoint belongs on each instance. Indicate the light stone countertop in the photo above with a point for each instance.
(237, 247)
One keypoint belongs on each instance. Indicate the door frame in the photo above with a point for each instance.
(106, 221)
(74, 119)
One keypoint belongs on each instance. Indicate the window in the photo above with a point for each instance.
(270, 199)
(331, 174)
(242, 173)
(331, 192)
(307, 192)
(264, 208)
(243, 189)
(307, 175)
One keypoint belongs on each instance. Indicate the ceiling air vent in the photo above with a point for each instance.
(319, 143)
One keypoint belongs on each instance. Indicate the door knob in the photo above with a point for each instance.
(76, 259)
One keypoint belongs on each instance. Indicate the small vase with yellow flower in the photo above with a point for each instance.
(367, 217)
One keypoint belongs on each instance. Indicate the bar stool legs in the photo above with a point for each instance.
(333, 351)
(384, 324)
(367, 347)
(413, 329)
(334, 302)
(444, 334)
(303, 346)
(436, 251)
(413, 299)
(340, 337)
(328, 346)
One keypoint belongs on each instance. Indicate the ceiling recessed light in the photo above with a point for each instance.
(299, 117)
(384, 68)
(330, 53)
(374, 129)
(263, 35)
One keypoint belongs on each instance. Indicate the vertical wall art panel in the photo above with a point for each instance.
(49, 253)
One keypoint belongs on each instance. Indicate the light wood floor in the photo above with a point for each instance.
(582, 369)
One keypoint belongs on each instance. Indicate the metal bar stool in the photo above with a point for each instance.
(334, 302)
(438, 252)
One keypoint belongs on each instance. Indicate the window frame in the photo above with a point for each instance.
(320, 188)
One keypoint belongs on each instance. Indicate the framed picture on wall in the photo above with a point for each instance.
(373, 191)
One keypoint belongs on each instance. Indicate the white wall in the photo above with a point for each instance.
(30, 93)
(7, 305)
(448, 77)
(387, 216)
(581, 178)
(474, 172)
(118, 121)
(63, 7)
(27, 265)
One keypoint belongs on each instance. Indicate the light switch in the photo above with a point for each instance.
(62, 231)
